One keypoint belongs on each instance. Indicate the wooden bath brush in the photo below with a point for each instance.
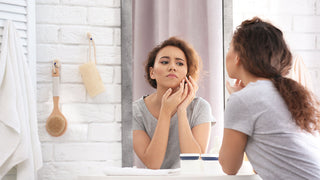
(56, 123)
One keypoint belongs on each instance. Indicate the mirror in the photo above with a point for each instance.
(302, 41)
(211, 52)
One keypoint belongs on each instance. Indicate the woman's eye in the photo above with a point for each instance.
(179, 63)
(164, 62)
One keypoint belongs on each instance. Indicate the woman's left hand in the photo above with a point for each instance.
(238, 85)
(191, 87)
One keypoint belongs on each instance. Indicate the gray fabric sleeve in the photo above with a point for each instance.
(201, 113)
(137, 123)
(237, 116)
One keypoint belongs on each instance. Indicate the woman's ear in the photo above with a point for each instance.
(151, 73)
(237, 60)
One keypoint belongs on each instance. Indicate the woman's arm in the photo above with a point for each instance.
(232, 150)
(195, 140)
(152, 151)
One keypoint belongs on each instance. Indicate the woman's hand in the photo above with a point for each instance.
(170, 101)
(191, 87)
(238, 85)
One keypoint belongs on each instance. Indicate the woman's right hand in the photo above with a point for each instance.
(238, 85)
(170, 101)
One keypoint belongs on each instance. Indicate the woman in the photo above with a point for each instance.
(171, 120)
(268, 116)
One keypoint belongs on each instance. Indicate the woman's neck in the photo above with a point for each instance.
(154, 101)
(157, 96)
(247, 77)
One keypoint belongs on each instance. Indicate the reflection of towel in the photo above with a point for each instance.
(19, 141)
(114, 171)
(299, 73)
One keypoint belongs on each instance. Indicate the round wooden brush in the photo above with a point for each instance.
(56, 123)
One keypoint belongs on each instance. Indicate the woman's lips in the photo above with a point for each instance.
(172, 76)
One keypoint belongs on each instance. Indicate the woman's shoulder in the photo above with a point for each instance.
(199, 101)
(139, 105)
(201, 110)
(138, 101)
(254, 89)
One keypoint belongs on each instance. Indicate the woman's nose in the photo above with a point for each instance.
(172, 67)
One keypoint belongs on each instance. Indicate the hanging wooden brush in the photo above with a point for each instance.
(56, 123)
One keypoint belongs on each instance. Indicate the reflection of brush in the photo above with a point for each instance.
(56, 124)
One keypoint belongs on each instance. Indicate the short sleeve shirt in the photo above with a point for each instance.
(198, 112)
(276, 147)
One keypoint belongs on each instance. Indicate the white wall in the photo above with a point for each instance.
(93, 138)
(298, 19)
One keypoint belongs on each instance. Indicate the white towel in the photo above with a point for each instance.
(128, 171)
(18, 119)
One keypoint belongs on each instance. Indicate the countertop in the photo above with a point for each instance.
(173, 177)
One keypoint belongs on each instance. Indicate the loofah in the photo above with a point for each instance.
(90, 74)
(91, 78)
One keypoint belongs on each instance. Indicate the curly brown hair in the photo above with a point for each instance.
(263, 52)
(194, 61)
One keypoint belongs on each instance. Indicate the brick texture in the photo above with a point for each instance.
(92, 141)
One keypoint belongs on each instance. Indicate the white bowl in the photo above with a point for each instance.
(189, 156)
(210, 157)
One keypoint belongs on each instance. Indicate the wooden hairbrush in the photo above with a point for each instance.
(56, 124)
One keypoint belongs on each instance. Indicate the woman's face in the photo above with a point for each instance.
(231, 59)
(170, 67)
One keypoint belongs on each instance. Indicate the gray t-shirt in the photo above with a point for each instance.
(277, 148)
(198, 112)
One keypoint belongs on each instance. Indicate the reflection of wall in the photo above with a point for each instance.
(298, 19)
(93, 138)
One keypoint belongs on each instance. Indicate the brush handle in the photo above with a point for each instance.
(56, 104)
(55, 82)
(56, 87)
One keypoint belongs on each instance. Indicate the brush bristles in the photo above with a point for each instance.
(56, 125)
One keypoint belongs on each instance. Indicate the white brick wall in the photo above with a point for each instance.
(92, 141)
(298, 19)
(68, 169)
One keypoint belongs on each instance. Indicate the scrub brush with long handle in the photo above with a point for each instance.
(56, 124)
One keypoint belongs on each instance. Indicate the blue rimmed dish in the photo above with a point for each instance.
(189, 156)
(209, 157)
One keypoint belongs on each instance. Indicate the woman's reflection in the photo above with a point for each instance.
(171, 120)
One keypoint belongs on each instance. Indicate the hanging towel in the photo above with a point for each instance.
(19, 140)
(299, 73)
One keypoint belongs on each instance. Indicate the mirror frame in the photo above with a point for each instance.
(126, 83)
(227, 36)
(126, 71)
